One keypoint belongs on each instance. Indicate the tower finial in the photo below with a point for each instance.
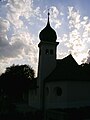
(48, 16)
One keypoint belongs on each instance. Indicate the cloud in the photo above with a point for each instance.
(16, 42)
(78, 34)
(88, 57)
(17, 9)
(20, 49)
(54, 16)
(54, 11)
(4, 25)
(77, 38)
(74, 18)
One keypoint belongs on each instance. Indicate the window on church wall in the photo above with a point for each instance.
(47, 51)
(51, 51)
(57, 91)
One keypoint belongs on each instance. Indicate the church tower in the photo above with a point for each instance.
(47, 58)
(47, 51)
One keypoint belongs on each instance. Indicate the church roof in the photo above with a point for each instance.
(67, 69)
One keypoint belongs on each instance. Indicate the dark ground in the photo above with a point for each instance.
(55, 114)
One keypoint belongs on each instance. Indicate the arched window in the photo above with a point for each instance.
(57, 91)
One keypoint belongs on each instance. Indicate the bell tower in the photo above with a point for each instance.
(47, 58)
(47, 51)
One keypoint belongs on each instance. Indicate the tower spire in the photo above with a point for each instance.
(48, 34)
(48, 17)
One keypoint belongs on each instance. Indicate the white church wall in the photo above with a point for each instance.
(74, 94)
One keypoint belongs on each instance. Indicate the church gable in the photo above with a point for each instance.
(66, 69)
(67, 63)
(69, 60)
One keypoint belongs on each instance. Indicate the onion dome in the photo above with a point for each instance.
(48, 34)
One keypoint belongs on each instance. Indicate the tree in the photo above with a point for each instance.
(16, 80)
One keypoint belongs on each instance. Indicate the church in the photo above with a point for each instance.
(62, 84)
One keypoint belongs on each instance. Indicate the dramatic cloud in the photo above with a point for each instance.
(77, 40)
(54, 16)
(78, 35)
(16, 43)
(88, 57)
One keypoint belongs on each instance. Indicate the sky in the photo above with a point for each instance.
(22, 20)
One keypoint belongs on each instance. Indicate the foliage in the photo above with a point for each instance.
(16, 80)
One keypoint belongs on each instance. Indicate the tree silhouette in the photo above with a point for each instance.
(16, 80)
